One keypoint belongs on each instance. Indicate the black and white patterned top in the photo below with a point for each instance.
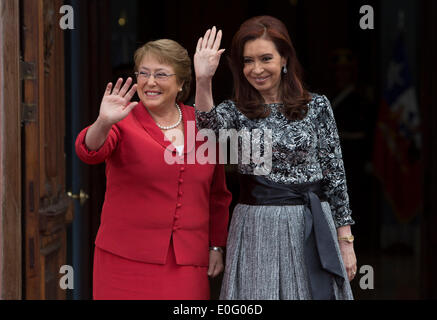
(306, 150)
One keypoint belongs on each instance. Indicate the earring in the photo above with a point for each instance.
(180, 90)
(284, 70)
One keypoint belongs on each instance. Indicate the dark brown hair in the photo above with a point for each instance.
(292, 92)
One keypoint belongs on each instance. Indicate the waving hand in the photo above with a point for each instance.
(207, 56)
(116, 105)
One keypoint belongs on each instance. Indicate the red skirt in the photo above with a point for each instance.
(118, 278)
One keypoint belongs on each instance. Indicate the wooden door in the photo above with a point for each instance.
(46, 208)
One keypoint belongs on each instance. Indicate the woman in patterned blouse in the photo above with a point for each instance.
(290, 235)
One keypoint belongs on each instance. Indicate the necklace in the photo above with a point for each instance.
(173, 125)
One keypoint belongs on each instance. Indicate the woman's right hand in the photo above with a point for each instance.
(207, 56)
(115, 104)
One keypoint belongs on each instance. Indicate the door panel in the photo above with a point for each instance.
(46, 205)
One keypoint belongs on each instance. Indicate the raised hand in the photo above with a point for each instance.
(207, 56)
(115, 104)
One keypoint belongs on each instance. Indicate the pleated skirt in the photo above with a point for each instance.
(265, 258)
(118, 278)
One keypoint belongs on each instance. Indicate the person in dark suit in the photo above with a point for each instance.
(164, 218)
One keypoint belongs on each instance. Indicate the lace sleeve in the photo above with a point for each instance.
(223, 116)
(331, 162)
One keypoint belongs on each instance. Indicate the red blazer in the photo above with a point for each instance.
(147, 200)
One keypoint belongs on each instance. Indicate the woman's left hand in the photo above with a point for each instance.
(349, 259)
(215, 263)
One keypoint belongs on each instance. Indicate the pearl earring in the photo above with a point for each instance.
(284, 70)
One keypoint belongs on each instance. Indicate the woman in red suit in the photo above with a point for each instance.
(163, 224)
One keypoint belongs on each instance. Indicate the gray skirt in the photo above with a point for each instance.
(265, 259)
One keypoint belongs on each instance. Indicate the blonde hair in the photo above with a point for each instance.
(172, 53)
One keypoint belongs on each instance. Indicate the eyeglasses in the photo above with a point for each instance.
(159, 76)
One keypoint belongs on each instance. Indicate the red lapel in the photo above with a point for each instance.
(145, 119)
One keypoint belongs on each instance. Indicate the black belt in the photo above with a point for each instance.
(320, 253)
